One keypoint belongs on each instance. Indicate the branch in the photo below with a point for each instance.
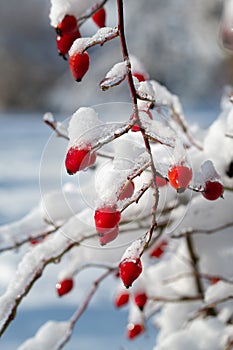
(192, 231)
(229, 135)
(50, 120)
(85, 304)
(19, 243)
(136, 114)
(22, 291)
(180, 299)
(195, 259)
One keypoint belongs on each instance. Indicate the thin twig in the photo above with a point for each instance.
(85, 304)
(179, 299)
(192, 231)
(91, 12)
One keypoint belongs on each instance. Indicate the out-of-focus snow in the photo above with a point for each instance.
(50, 335)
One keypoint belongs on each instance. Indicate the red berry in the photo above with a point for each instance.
(130, 269)
(64, 287)
(35, 241)
(109, 236)
(127, 192)
(121, 299)
(139, 76)
(99, 17)
(214, 280)
(180, 176)
(213, 190)
(135, 128)
(140, 300)
(79, 159)
(68, 25)
(159, 249)
(133, 330)
(79, 64)
(106, 218)
(161, 181)
(65, 42)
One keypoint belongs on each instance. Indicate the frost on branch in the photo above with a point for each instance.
(115, 76)
(157, 131)
(136, 248)
(34, 261)
(102, 35)
(50, 336)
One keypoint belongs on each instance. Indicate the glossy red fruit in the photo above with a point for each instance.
(65, 286)
(129, 270)
(139, 76)
(127, 192)
(161, 181)
(68, 25)
(133, 330)
(109, 236)
(159, 249)
(106, 218)
(121, 299)
(213, 190)
(79, 159)
(180, 177)
(65, 42)
(99, 17)
(140, 300)
(79, 64)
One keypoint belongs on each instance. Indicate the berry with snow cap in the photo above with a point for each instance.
(213, 190)
(140, 299)
(68, 25)
(65, 286)
(130, 269)
(79, 65)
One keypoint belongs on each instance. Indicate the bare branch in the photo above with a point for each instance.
(179, 299)
(192, 231)
(50, 120)
(85, 304)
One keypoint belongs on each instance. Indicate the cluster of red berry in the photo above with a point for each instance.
(67, 32)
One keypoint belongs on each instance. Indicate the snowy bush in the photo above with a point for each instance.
(155, 199)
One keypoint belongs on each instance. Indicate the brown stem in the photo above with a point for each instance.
(133, 92)
(195, 259)
(85, 304)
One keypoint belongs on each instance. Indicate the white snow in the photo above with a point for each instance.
(49, 336)
(218, 291)
(137, 66)
(114, 76)
(60, 8)
(83, 126)
(99, 38)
